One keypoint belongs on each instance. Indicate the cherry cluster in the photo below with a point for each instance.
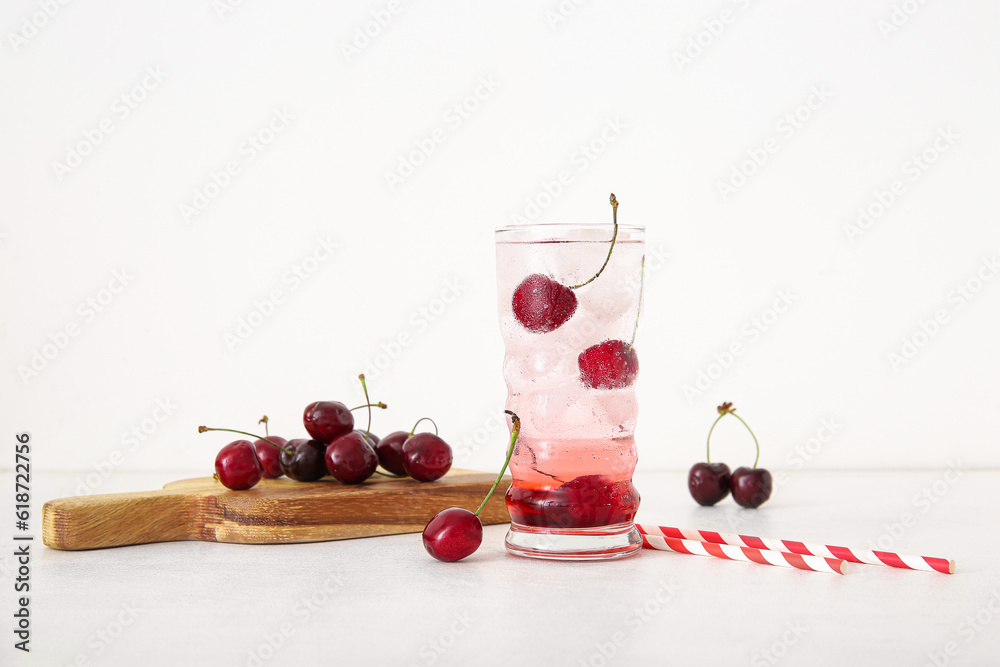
(711, 482)
(333, 447)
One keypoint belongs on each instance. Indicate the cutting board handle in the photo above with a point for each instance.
(114, 520)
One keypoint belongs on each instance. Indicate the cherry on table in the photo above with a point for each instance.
(390, 452)
(237, 465)
(270, 456)
(751, 487)
(453, 534)
(612, 364)
(350, 459)
(306, 461)
(709, 482)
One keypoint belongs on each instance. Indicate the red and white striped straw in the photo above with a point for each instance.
(924, 563)
(746, 554)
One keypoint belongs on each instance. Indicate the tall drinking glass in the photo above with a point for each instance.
(570, 365)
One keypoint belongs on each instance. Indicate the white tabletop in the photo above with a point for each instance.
(384, 601)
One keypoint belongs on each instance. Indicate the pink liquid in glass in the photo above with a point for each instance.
(572, 495)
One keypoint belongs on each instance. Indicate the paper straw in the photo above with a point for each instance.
(746, 554)
(867, 557)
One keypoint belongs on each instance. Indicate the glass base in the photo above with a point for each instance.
(601, 543)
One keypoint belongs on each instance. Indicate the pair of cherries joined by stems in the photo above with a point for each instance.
(711, 482)
(543, 305)
(334, 447)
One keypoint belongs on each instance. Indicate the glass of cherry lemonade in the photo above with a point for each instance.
(569, 301)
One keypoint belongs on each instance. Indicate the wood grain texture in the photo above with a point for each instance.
(273, 512)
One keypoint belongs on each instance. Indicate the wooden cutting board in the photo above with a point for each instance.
(275, 511)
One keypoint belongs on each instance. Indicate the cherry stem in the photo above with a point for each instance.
(204, 429)
(368, 429)
(514, 431)
(614, 236)
(724, 413)
(264, 420)
(642, 279)
(371, 405)
(414, 429)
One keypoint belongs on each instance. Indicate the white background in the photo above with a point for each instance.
(663, 134)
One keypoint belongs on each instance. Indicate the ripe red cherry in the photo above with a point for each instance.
(325, 420)
(587, 500)
(709, 482)
(594, 500)
(390, 452)
(237, 466)
(541, 304)
(453, 534)
(270, 456)
(350, 459)
(456, 533)
(612, 364)
(751, 487)
(305, 463)
(426, 457)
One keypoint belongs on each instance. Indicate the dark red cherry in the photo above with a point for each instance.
(456, 533)
(751, 487)
(270, 456)
(325, 420)
(350, 459)
(237, 465)
(612, 364)
(541, 304)
(305, 463)
(390, 452)
(594, 500)
(587, 500)
(453, 534)
(426, 457)
(709, 482)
